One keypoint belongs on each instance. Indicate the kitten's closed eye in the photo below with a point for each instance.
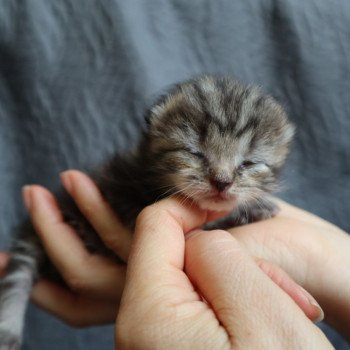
(210, 140)
(246, 164)
(230, 139)
(197, 154)
(250, 166)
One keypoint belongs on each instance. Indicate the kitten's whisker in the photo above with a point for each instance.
(170, 190)
(183, 192)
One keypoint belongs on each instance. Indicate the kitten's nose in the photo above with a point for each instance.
(220, 184)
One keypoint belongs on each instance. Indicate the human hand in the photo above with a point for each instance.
(95, 282)
(205, 294)
(314, 252)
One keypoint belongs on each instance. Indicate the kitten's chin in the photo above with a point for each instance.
(213, 205)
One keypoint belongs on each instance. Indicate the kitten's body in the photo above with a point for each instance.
(210, 140)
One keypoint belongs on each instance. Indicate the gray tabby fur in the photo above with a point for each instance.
(211, 140)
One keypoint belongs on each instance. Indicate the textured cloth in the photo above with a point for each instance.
(75, 76)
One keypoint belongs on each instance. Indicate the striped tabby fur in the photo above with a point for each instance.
(210, 139)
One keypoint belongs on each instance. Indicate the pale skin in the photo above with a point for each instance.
(313, 252)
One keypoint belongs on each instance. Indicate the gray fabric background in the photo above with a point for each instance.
(75, 76)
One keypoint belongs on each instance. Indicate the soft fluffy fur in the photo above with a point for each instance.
(211, 140)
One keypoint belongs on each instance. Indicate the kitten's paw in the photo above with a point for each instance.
(245, 215)
(259, 212)
(9, 341)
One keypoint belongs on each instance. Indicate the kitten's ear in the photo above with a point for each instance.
(290, 131)
(155, 110)
(148, 116)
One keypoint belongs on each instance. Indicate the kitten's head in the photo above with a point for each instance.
(218, 142)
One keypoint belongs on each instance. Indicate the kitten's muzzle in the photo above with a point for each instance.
(221, 185)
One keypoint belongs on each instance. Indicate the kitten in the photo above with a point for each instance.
(212, 140)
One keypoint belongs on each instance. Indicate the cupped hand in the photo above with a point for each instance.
(203, 294)
(96, 283)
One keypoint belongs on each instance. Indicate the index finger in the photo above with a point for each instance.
(159, 241)
(100, 215)
(93, 274)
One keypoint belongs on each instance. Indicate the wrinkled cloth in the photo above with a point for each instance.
(76, 75)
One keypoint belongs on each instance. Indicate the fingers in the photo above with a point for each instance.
(91, 203)
(157, 259)
(301, 297)
(95, 275)
(166, 280)
(157, 291)
(231, 282)
(74, 309)
(290, 211)
(159, 233)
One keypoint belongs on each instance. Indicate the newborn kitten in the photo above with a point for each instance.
(210, 140)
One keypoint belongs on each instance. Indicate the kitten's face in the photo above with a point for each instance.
(219, 143)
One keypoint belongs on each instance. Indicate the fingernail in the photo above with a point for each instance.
(314, 303)
(66, 181)
(321, 316)
(26, 195)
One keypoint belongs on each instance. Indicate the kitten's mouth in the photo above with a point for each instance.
(218, 202)
(217, 198)
(220, 197)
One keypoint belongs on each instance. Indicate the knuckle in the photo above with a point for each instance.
(147, 215)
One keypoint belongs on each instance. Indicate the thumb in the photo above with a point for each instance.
(159, 236)
(242, 297)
